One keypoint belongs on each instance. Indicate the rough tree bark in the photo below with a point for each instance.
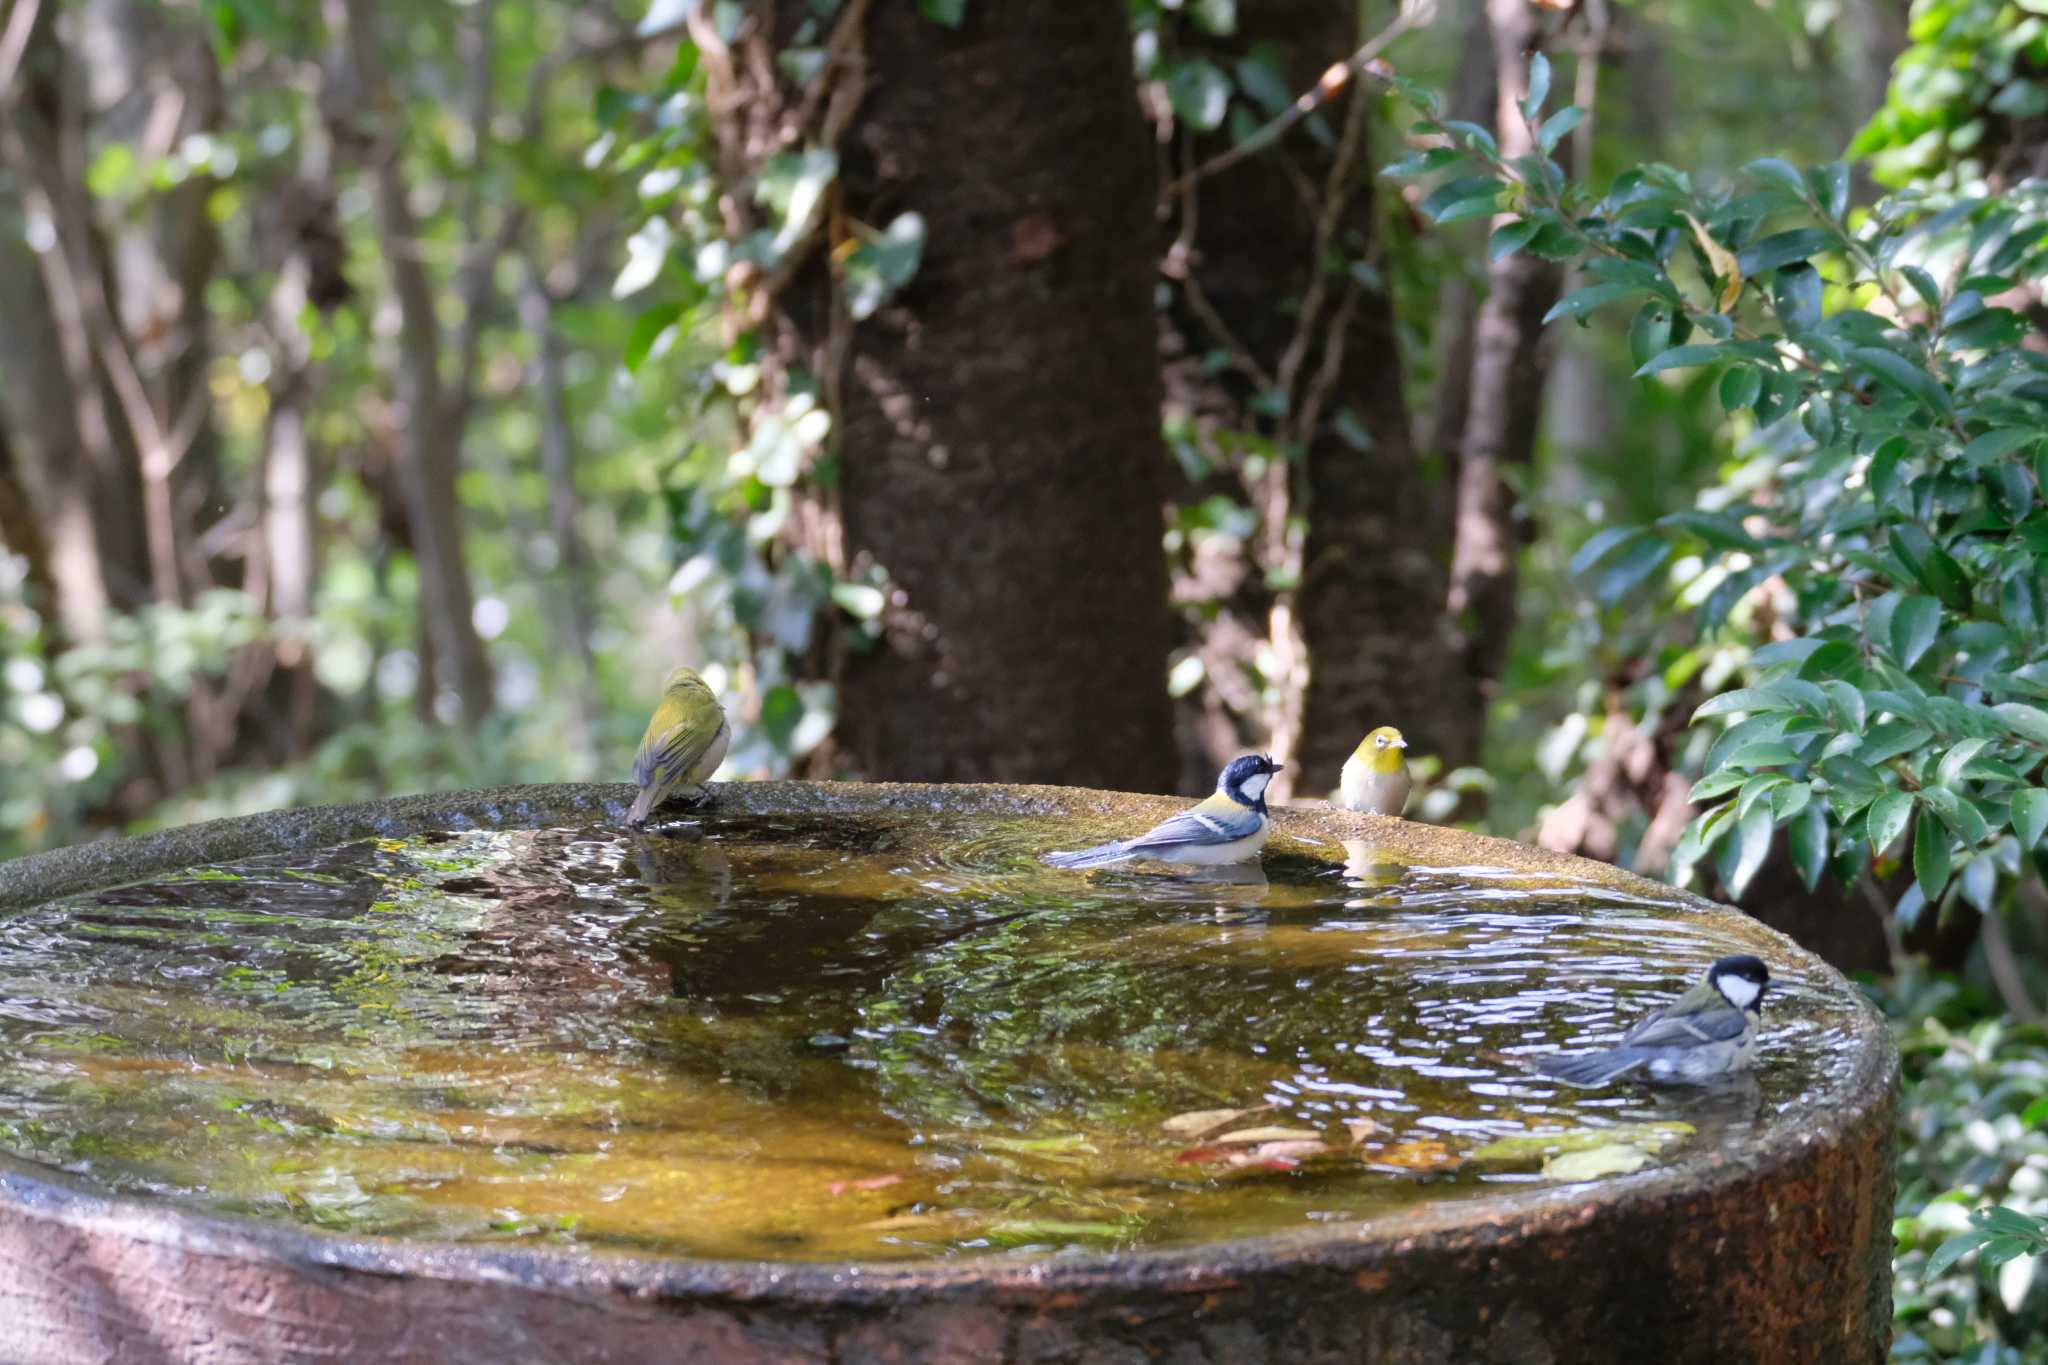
(1505, 394)
(1000, 420)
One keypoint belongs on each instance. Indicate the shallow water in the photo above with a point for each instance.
(806, 1039)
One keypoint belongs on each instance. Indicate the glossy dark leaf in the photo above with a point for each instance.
(1930, 857)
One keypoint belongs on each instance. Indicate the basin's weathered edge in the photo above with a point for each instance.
(1779, 1251)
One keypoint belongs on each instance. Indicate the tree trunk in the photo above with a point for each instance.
(431, 418)
(77, 469)
(1506, 394)
(1282, 253)
(570, 598)
(1000, 420)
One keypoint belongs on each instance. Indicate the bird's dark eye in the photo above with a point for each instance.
(1381, 742)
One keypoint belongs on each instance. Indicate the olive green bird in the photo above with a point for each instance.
(1375, 778)
(684, 744)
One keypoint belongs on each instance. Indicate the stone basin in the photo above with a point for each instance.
(1774, 1247)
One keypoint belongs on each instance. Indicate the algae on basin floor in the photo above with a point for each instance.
(840, 1037)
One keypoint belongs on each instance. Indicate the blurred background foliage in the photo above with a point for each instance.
(390, 394)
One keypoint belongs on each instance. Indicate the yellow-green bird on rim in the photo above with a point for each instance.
(684, 744)
(1375, 777)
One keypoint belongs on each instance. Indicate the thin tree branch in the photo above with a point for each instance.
(1341, 74)
(21, 22)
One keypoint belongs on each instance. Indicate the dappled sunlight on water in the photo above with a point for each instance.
(805, 1039)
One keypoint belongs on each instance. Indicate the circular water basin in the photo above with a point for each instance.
(824, 1071)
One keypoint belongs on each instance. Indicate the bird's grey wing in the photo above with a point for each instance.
(1194, 828)
(1688, 1029)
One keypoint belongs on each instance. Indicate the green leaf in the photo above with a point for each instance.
(1902, 374)
(1950, 770)
(1717, 784)
(1740, 387)
(1539, 85)
(648, 325)
(2004, 441)
(2028, 722)
(1931, 566)
(1258, 76)
(1782, 249)
(1923, 285)
(1471, 189)
(882, 264)
(1796, 292)
(1198, 92)
(1855, 783)
(1679, 357)
(1779, 174)
(1650, 332)
(1754, 830)
(1700, 836)
(1831, 187)
(1723, 530)
(1807, 841)
(1978, 883)
(1765, 753)
(1212, 16)
(1510, 238)
(1930, 857)
(1848, 704)
(1742, 699)
(947, 12)
(1962, 817)
(1914, 624)
(1475, 208)
(1756, 789)
(1599, 545)
(1558, 126)
(1580, 302)
(1953, 1250)
(1789, 799)
(1887, 820)
(1630, 568)
(2029, 816)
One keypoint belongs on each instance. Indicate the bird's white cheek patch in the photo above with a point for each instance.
(1255, 785)
(1740, 991)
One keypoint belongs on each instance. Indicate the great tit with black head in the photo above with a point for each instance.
(1707, 1033)
(1229, 826)
(685, 742)
(1375, 778)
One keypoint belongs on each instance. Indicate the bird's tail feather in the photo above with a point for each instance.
(1114, 851)
(1592, 1068)
(643, 805)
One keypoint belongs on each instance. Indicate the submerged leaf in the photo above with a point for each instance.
(1616, 1158)
(1197, 1122)
(1270, 1134)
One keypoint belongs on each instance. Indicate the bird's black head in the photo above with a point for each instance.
(1244, 781)
(1740, 980)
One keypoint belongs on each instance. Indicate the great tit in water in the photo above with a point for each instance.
(1708, 1032)
(1375, 777)
(684, 744)
(1229, 826)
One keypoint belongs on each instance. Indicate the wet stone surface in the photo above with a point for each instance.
(815, 1036)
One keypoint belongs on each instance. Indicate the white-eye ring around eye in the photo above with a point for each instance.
(1380, 742)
